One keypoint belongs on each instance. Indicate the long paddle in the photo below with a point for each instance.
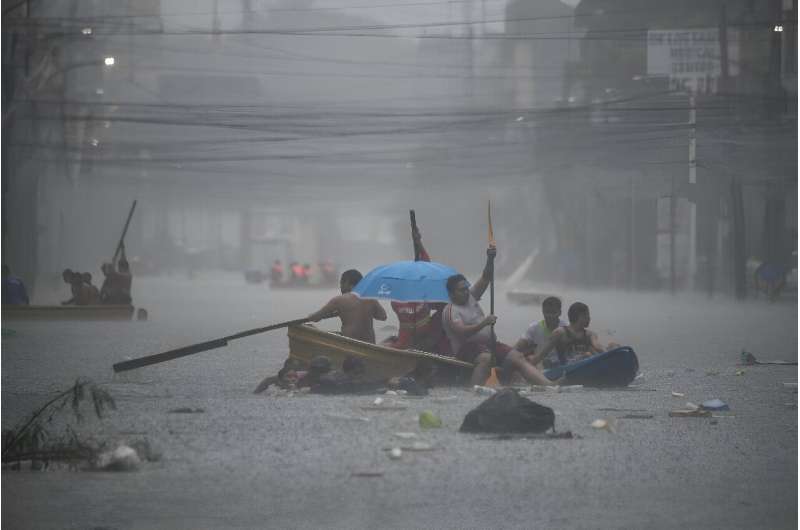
(124, 231)
(414, 230)
(492, 243)
(202, 346)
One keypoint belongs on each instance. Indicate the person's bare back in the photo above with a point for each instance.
(356, 313)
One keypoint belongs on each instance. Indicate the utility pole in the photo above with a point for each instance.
(723, 50)
(632, 236)
(693, 195)
(737, 202)
(672, 236)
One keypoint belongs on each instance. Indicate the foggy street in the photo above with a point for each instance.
(178, 172)
(269, 461)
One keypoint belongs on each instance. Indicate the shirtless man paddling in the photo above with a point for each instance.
(356, 314)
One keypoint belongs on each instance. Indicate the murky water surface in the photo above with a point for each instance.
(288, 462)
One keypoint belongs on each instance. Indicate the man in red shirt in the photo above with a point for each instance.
(419, 328)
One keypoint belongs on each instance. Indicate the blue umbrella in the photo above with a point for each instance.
(407, 281)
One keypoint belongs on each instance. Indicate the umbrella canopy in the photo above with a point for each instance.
(407, 281)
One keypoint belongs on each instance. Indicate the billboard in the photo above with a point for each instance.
(691, 58)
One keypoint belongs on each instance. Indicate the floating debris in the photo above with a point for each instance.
(406, 435)
(429, 420)
(678, 394)
(395, 453)
(123, 458)
(689, 413)
(603, 424)
(715, 404)
(186, 410)
(415, 447)
(637, 417)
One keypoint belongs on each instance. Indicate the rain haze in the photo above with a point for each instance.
(637, 156)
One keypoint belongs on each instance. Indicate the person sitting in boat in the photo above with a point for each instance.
(297, 273)
(468, 328)
(14, 292)
(276, 272)
(419, 328)
(116, 288)
(356, 313)
(82, 294)
(574, 341)
(92, 292)
(126, 278)
(539, 332)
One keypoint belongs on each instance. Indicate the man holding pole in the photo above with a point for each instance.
(116, 288)
(419, 328)
(471, 333)
(466, 325)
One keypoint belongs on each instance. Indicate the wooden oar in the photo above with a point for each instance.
(492, 243)
(124, 231)
(202, 346)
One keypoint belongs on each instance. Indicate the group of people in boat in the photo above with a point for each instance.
(115, 290)
(462, 330)
(302, 274)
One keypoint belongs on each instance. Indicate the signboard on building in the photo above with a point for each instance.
(691, 58)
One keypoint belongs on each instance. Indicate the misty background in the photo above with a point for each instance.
(252, 130)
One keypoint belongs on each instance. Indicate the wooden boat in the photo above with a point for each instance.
(526, 297)
(381, 362)
(67, 312)
(617, 367)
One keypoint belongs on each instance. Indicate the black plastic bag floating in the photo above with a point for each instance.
(508, 412)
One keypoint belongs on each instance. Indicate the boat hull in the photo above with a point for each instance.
(381, 362)
(614, 368)
(70, 312)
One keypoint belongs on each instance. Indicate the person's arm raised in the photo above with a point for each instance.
(423, 253)
(480, 286)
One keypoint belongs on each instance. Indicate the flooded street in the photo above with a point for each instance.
(272, 461)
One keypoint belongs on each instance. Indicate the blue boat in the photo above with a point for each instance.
(617, 367)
